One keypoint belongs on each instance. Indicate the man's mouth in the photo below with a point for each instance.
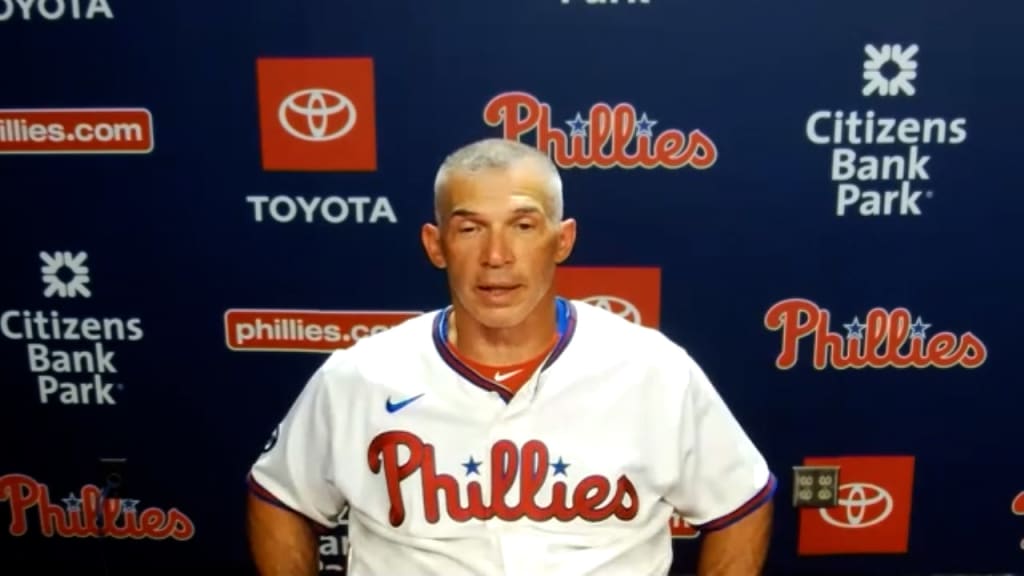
(497, 289)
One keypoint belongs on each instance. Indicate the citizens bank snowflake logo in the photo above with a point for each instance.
(60, 265)
(875, 74)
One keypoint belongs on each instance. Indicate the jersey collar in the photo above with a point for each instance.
(566, 325)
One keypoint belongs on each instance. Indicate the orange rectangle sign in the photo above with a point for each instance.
(633, 293)
(873, 511)
(76, 131)
(305, 330)
(317, 114)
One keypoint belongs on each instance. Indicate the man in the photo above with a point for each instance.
(513, 432)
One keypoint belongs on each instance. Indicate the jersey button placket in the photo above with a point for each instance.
(496, 431)
(524, 398)
(509, 538)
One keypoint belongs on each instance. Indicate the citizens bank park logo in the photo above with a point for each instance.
(50, 10)
(605, 136)
(333, 546)
(70, 355)
(76, 130)
(886, 339)
(879, 164)
(87, 514)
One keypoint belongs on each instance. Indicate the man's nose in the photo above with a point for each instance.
(497, 250)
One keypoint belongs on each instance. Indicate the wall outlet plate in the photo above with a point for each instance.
(815, 486)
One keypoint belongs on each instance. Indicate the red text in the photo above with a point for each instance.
(612, 139)
(86, 519)
(588, 501)
(881, 344)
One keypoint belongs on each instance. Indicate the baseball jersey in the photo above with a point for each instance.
(445, 471)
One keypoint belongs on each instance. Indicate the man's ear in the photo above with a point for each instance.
(566, 239)
(430, 235)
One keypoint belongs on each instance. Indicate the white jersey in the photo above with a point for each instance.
(446, 472)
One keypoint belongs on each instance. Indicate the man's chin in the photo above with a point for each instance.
(507, 311)
(500, 317)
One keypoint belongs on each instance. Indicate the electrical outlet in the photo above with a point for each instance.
(112, 476)
(815, 486)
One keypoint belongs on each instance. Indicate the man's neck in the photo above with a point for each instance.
(503, 346)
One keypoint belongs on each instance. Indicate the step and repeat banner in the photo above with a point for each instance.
(819, 200)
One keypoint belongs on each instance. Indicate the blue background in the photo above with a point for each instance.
(171, 240)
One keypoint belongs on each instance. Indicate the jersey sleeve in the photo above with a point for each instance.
(295, 469)
(722, 476)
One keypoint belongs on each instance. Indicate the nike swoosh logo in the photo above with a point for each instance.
(499, 377)
(393, 407)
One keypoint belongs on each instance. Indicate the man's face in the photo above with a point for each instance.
(498, 243)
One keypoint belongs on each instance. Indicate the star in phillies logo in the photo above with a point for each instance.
(886, 339)
(605, 136)
(594, 497)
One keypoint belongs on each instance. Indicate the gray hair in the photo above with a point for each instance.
(499, 153)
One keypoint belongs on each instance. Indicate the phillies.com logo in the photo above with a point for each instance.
(886, 339)
(81, 516)
(608, 137)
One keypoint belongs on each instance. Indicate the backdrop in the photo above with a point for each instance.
(819, 200)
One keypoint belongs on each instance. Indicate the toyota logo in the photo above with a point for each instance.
(316, 107)
(617, 306)
(864, 505)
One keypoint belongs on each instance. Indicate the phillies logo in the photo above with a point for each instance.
(885, 339)
(608, 137)
(81, 517)
(588, 501)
